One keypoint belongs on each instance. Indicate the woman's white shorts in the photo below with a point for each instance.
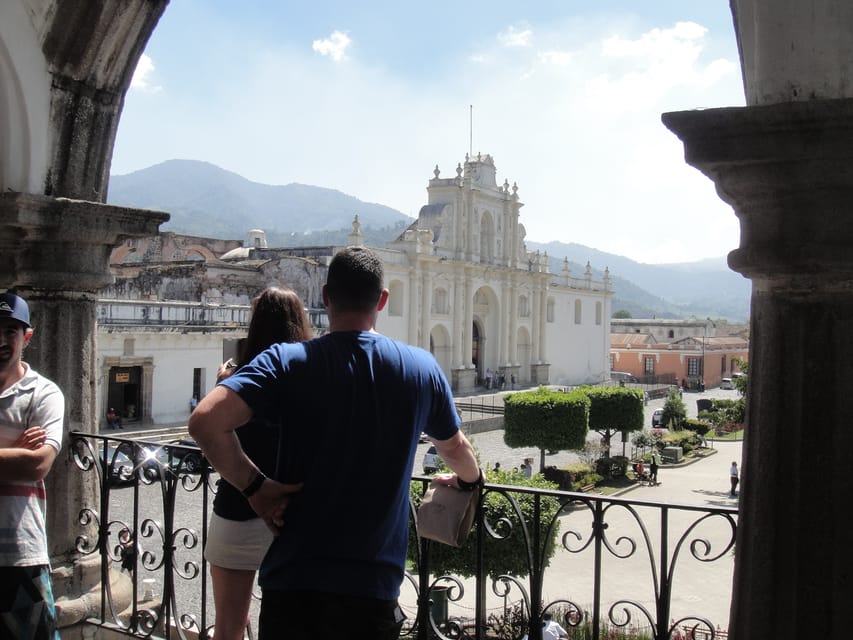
(237, 544)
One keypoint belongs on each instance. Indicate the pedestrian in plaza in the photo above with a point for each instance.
(734, 478)
(350, 404)
(488, 378)
(512, 380)
(32, 411)
(237, 538)
(653, 467)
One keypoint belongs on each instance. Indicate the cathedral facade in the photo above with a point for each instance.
(462, 285)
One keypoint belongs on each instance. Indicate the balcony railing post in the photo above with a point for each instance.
(598, 527)
(664, 595)
(536, 572)
(482, 578)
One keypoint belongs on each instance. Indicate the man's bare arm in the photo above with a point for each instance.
(212, 425)
(458, 453)
(26, 464)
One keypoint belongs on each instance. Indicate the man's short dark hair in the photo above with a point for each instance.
(355, 278)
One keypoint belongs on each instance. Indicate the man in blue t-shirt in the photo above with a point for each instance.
(351, 406)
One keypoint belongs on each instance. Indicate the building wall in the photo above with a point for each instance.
(677, 361)
(174, 356)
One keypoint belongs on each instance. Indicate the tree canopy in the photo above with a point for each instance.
(546, 419)
(614, 409)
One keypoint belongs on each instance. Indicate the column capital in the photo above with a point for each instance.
(787, 170)
(51, 243)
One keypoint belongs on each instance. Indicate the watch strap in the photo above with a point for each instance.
(254, 485)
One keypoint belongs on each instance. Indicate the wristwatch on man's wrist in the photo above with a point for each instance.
(254, 485)
(470, 486)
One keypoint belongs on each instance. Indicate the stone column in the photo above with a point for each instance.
(504, 321)
(426, 310)
(787, 169)
(468, 326)
(55, 253)
(413, 303)
(458, 319)
(533, 309)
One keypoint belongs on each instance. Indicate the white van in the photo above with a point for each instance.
(727, 383)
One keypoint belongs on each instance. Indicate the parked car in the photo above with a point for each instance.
(727, 383)
(432, 461)
(657, 418)
(123, 459)
(622, 377)
(184, 455)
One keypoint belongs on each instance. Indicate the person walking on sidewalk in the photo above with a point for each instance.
(734, 477)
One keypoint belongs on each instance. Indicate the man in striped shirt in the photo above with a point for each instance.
(32, 410)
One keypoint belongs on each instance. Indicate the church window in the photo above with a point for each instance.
(439, 301)
(523, 307)
(550, 310)
(598, 313)
(578, 310)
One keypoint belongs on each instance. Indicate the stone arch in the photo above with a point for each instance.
(487, 311)
(199, 252)
(440, 347)
(24, 112)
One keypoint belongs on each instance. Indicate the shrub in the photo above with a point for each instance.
(585, 480)
(700, 427)
(563, 478)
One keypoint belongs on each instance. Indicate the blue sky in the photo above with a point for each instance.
(368, 97)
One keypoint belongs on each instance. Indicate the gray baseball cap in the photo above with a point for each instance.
(12, 306)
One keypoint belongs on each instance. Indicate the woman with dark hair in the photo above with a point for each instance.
(237, 538)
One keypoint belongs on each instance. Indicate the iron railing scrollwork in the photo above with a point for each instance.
(532, 552)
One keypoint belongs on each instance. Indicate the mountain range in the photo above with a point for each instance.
(208, 201)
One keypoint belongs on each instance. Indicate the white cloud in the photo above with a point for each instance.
(515, 37)
(335, 46)
(141, 76)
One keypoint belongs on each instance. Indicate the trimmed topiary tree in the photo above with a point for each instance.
(613, 410)
(547, 420)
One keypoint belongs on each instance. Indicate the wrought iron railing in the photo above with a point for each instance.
(595, 563)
